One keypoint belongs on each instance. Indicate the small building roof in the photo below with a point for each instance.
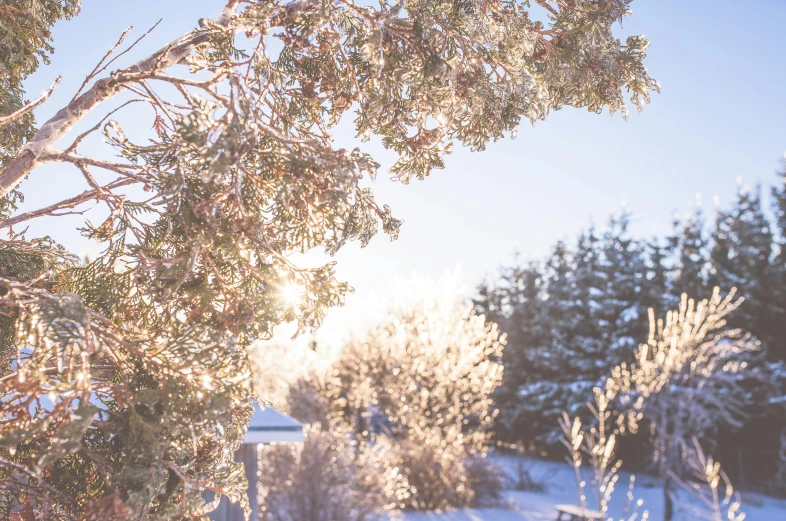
(271, 426)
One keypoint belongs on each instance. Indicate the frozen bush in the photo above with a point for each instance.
(329, 479)
(419, 388)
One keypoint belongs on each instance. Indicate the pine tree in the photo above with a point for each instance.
(776, 324)
(134, 364)
(567, 327)
(690, 246)
(584, 349)
(624, 271)
(584, 357)
(741, 253)
(516, 303)
(658, 284)
(533, 383)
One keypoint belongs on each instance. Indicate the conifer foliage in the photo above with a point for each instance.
(25, 43)
(125, 381)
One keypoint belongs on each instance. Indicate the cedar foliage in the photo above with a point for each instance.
(125, 380)
(25, 43)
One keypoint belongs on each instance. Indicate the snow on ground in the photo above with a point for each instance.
(560, 484)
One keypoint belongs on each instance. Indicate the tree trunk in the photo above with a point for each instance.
(668, 503)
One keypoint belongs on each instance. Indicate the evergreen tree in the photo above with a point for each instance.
(741, 253)
(516, 303)
(125, 384)
(584, 353)
(567, 327)
(537, 391)
(690, 246)
(658, 284)
(624, 271)
(776, 348)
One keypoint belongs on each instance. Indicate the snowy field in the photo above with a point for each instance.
(560, 486)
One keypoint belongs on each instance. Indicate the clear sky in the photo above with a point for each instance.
(721, 115)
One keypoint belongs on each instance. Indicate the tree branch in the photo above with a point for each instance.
(73, 202)
(100, 63)
(544, 4)
(4, 120)
(59, 125)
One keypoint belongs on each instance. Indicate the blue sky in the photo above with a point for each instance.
(721, 115)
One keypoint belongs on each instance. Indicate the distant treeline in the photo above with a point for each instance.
(573, 316)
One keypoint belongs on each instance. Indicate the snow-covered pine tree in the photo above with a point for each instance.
(604, 307)
(741, 253)
(776, 349)
(582, 351)
(537, 386)
(658, 283)
(689, 245)
(515, 302)
(125, 384)
(567, 327)
(625, 303)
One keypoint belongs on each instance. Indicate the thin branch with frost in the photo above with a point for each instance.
(29, 157)
(712, 487)
(94, 72)
(10, 118)
(598, 444)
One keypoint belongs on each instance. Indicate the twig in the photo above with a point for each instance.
(95, 70)
(68, 203)
(544, 4)
(4, 120)
(130, 46)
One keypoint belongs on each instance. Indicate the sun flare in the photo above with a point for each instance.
(292, 294)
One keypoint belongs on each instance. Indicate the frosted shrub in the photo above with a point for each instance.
(596, 446)
(486, 480)
(420, 387)
(329, 480)
(692, 376)
(718, 501)
(442, 475)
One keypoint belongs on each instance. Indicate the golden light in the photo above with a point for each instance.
(292, 294)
